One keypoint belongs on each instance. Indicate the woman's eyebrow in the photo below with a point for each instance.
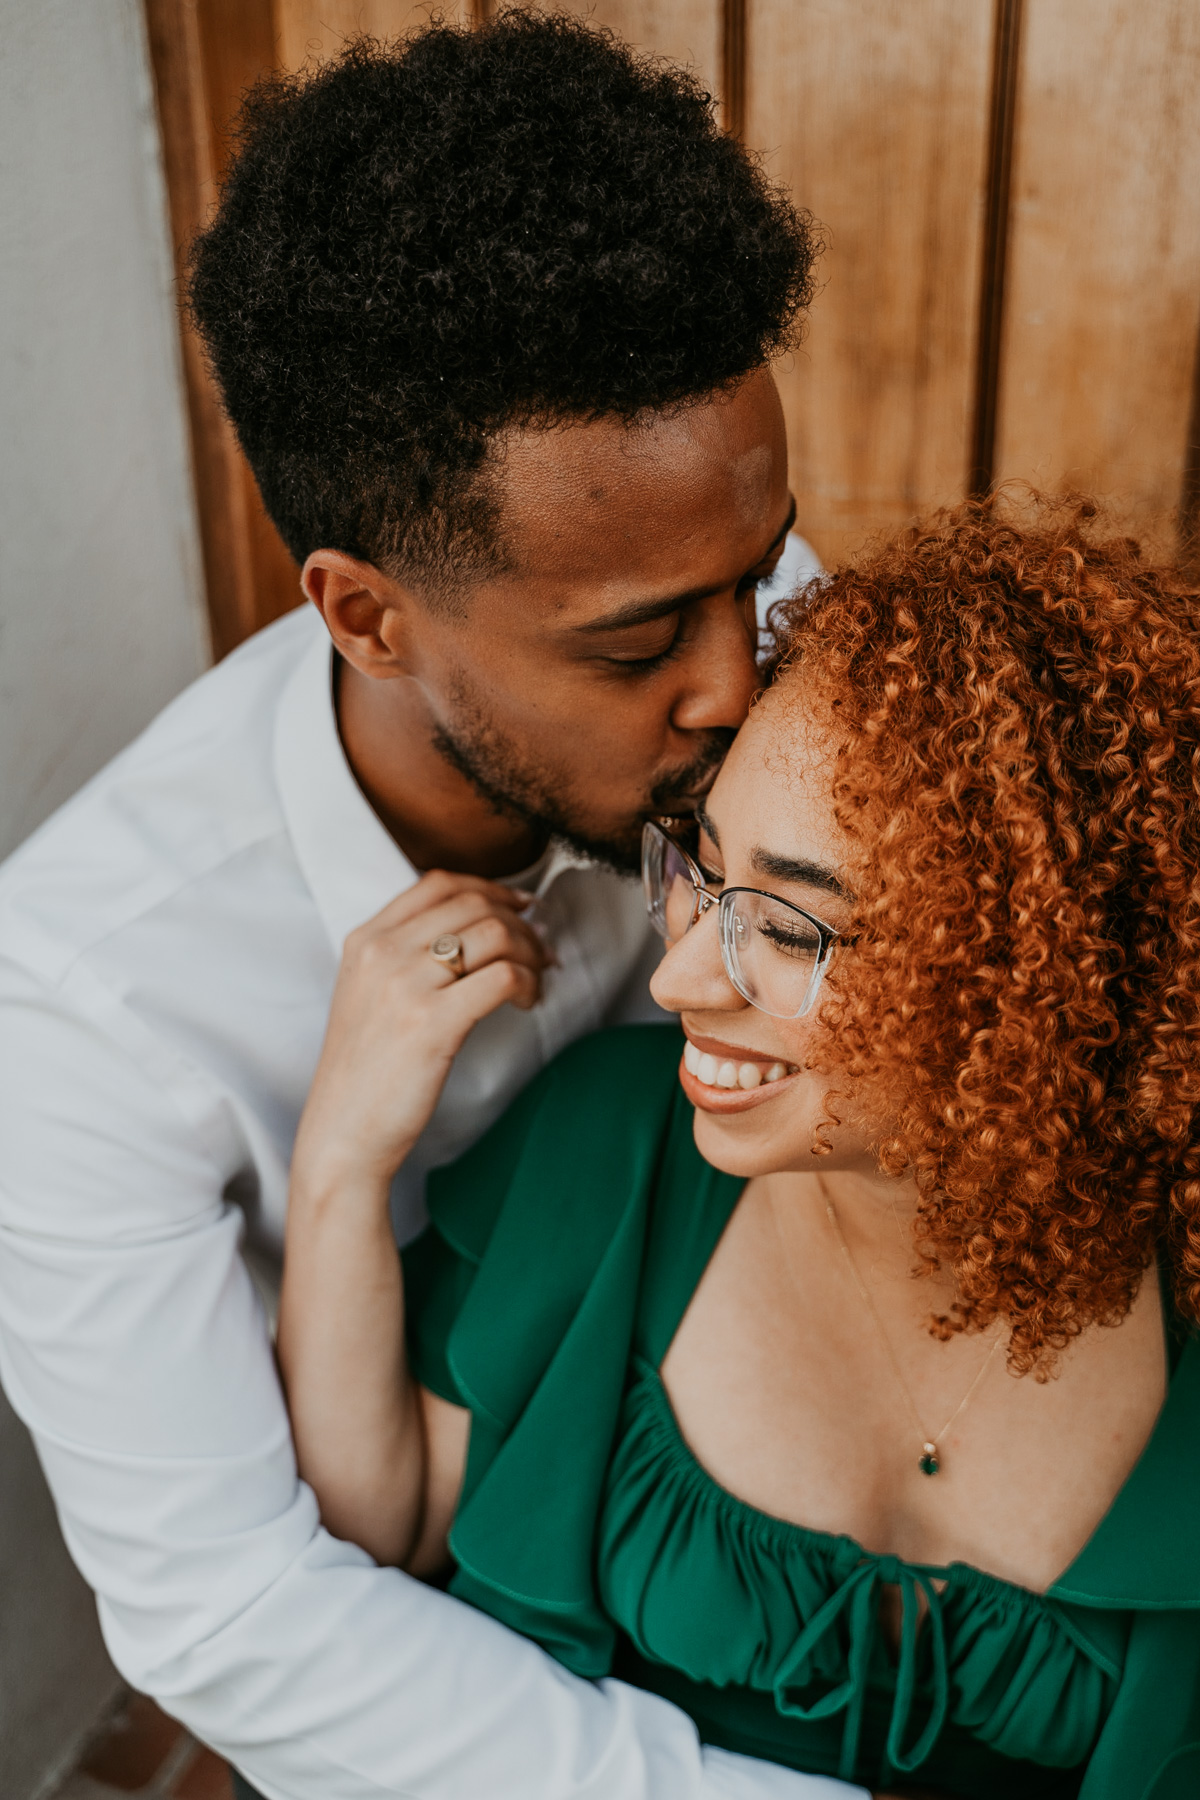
(782, 868)
(792, 868)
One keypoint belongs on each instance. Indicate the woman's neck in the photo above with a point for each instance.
(872, 1214)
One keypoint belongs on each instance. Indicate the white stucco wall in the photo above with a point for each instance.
(101, 614)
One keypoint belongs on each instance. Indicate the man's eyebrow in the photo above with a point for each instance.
(644, 612)
(706, 825)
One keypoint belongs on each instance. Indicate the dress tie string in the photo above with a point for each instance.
(857, 1600)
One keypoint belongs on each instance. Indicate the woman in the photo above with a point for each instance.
(827, 1372)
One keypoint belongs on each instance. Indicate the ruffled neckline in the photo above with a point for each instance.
(795, 1611)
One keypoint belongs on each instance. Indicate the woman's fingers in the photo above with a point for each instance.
(398, 1018)
(438, 886)
(495, 939)
(384, 943)
(479, 922)
(474, 996)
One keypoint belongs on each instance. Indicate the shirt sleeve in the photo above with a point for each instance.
(133, 1346)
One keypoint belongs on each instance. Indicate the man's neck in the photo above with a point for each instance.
(432, 811)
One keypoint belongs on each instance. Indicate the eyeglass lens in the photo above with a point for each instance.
(670, 890)
(772, 954)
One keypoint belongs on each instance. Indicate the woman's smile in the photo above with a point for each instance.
(728, 1078)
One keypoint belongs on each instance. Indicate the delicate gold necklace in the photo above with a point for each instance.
(930, 1459)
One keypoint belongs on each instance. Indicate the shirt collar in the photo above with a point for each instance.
(351, 864)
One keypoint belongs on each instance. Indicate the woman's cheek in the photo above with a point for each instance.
(778, 1135)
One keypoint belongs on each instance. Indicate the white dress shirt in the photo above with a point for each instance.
(168, 944)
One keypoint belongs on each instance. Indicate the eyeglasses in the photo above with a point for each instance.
(774, 953)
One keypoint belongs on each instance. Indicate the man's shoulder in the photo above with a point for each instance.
(193, 791)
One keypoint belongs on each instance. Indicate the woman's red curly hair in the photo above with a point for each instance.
(1016, 709)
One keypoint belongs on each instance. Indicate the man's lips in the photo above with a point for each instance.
(723, 1078)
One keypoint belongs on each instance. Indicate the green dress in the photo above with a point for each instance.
(562, 1253)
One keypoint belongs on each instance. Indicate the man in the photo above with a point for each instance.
(492, 316)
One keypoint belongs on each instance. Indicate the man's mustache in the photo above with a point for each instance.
(679, 791)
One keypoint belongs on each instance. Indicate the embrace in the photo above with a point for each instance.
(762, 1004)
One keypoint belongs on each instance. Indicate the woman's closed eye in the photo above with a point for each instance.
(794, 938)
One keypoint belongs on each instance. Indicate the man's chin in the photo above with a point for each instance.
(622, 852)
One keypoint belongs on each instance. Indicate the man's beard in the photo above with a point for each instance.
(541, 798)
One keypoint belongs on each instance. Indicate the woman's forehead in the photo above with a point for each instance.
(777, 782)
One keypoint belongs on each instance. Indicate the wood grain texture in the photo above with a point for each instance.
(1006, 72)
(688, 31)
(875, 114)
(1103, 299)
(249, 576)
(313, 30)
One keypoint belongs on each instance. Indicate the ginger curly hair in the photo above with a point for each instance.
(1016, 708)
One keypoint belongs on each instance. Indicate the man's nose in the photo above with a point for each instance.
(724, 668)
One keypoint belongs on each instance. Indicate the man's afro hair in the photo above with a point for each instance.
(421, 244)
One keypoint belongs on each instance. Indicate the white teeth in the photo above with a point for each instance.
(730, 1074)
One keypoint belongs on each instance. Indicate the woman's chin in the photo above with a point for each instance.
(739, 1131)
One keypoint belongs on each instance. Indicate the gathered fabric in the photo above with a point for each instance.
(563, 1251)
(705, 1583)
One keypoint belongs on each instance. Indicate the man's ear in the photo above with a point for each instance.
(367, 614)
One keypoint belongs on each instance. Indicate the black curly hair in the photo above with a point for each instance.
(422, 244)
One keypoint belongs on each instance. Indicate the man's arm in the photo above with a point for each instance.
(133, 1346)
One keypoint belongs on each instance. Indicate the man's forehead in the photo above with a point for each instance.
(603, 505)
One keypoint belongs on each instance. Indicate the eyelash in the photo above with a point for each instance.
(646, 665)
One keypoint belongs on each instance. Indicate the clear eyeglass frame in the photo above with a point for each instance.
(738, 910)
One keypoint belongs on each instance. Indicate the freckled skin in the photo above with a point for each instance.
(595, 516)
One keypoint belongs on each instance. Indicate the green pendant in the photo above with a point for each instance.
(929, 1464)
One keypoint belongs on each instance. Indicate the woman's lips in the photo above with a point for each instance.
(730, 1082)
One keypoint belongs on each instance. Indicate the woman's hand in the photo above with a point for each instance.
(398, 1019)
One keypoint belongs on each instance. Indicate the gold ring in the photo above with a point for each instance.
(448, 950)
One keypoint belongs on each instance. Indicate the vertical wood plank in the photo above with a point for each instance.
(249, 576)
(733, 67)
(1104, 272)
(690, 32)
(1006, 69)
(317, 29)
(875, 114)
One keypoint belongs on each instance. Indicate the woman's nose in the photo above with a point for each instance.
(691, 976)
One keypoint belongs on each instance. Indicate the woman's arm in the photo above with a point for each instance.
(384, 1461)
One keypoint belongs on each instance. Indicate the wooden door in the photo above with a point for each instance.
(1011, 285)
